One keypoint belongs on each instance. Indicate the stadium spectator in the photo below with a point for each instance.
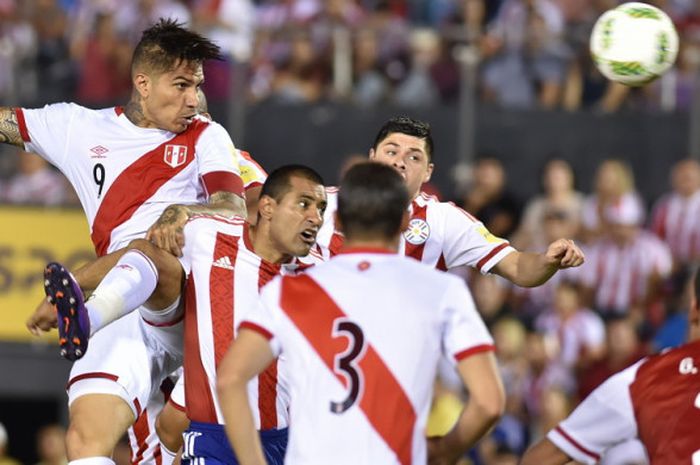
(370, 85)
(526, 57)
(418, 89)
(627, 265)
(35, 183)
(577, 331)
(488, 199)
(559, 194)
(676, 216)
(613, 183)
(623, 348)
(51, 445)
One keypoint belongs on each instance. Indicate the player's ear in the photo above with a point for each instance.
(372, 154)
(429, 172)
(266, 207)
(142, 84)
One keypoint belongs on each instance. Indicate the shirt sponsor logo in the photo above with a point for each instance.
(418, 232)
(99, 152)
(223, 262)
(175, 155)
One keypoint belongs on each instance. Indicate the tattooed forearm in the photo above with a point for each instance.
(221, 203)
(172, 215)
(9, 129)
(134, 112)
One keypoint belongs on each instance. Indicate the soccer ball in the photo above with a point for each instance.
(634, 43)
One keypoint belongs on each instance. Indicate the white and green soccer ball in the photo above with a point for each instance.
(634, 43)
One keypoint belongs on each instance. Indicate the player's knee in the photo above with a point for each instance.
(142, 245)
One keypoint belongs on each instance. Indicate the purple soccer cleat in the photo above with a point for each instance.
(63, 291)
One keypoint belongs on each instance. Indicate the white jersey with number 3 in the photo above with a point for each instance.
(124, 175)
(362, 335)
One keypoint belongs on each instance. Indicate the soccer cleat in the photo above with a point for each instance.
(73, 322)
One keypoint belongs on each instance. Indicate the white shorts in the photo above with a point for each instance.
(128, 358)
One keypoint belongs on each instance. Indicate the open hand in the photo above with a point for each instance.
(167, 231)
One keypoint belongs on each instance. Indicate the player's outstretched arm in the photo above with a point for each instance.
(167, 231)
(249, 355)
(485, 406)
(529, 269)
(545, 453)
(9, 127)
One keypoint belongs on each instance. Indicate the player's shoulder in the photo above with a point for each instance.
(437, 206)
(200, 221)
(685, 359)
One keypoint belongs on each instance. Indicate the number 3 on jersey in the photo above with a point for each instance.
(346, 363)
(98, 174)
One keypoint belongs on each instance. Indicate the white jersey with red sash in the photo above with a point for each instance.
(126, 175)
(656, 400)
(362, 336)
(439, 234)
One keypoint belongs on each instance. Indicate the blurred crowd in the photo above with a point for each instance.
(526, 53)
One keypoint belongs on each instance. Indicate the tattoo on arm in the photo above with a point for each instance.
(170, 215)
(9, 128)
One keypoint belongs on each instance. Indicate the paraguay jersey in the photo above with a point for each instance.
(124, 175)
(224, 277)
(439, 234)
(362, 336)
(657, 400)
(621, 275)
(676, 220)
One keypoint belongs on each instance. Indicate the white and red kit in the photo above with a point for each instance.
(656, 400)
(439, 234)
(619, 275)
(125, 176)
(676, 220)
(362, 336)
(224, 277)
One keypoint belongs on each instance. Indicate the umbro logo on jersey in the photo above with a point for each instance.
(224, 262)
(175, 155)
(99, 152)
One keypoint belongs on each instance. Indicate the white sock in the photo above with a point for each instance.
(171, 313)
(125, 288)
(92, 461)
(167, 456)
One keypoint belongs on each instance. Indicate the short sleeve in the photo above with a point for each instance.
(45, 130)
(264, 317)
(252, 173)
(468, 242)
(605, 418)
(217, 160)
(465, 333)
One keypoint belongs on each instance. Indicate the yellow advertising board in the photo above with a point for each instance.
(29, 239)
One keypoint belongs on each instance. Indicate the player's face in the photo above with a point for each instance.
(172, 98)
(408, 155)
(298, 217)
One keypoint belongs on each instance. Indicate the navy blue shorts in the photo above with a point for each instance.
(207, 444)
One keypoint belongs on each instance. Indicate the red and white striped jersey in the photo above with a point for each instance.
(126, 175)
(676, 220)
(657, 400)
(620, 275)
(224, 277)
(362, 336)
(439, 234)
